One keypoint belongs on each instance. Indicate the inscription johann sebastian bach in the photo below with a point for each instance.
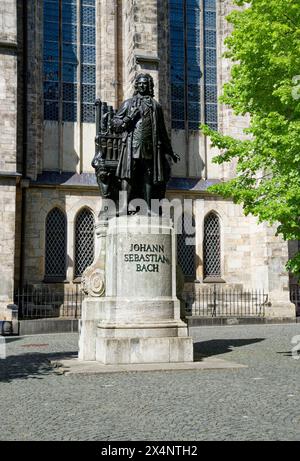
(147, 258)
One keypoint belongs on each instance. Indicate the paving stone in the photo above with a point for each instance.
(260, 402)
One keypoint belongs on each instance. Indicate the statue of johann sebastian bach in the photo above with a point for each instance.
(146, 151)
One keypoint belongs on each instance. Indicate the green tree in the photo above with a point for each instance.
(265, 83)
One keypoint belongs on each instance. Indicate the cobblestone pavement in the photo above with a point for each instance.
(261, 402)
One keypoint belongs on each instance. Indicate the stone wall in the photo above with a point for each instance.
(7, 243)
(140, 42)
(107, 45)
(34, 81)
(8, 150)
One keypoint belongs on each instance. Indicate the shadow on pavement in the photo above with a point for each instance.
(220, 346)
(33, 365)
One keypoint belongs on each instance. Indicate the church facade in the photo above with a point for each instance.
(57, 57)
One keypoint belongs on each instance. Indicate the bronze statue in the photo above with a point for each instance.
(144, 148)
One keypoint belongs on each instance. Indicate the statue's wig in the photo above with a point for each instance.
(150, 84)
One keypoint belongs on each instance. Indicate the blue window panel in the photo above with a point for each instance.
(178, 64)
(211, 76)
(88, 74)
(210, 57)
(51, 11)
(177, 92)
(194, 93)
(210, 5)
(69, 92)
(50, 110)
(195, 126)
(177, 27)
(51, 71)
(176, 3)
(177, 53)
(51, 51)
(69, 72)
(193, 39)
(211, 94)
(177, 67)
(194, 74)
(193, 19)
(69, 13)
(88, 16)
(70, 53)
(51, 31)
(88, 57)
(178, 110)
(193, 3)
(88, 113)
(211, 113)
(194, 55)
(178, 124)
(69, 112)
(73, 2)
(88, 54)
(51, 91)
(194, 112)
(89, 2)
(210, 38)
(177, 77)
(177, 43)
(69, 33)
(177, 37)
(209, 20)
(88, 94)
(88, 35)
(176, 16)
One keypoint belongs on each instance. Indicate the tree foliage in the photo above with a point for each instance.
(265, 83)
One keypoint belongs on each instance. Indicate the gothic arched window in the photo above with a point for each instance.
(56, 248)
(193, 56)
(84, 241)
(212, 246)
(186, 247)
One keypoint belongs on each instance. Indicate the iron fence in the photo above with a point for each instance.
(218, 302)
(36, 303)
(295, 297)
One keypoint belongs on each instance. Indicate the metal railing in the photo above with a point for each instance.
(223, 302)
(37, 303)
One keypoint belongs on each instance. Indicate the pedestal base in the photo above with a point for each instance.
(112, 351)
(138, 320)
(107, 337)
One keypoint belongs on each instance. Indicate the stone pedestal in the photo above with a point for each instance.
(138, 319)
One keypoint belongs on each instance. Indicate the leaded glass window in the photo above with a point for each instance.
(84, 241)
(193, 55)
(56, 239)
(212, 246)
(186, 246)
(62, 22)
(88, 60)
